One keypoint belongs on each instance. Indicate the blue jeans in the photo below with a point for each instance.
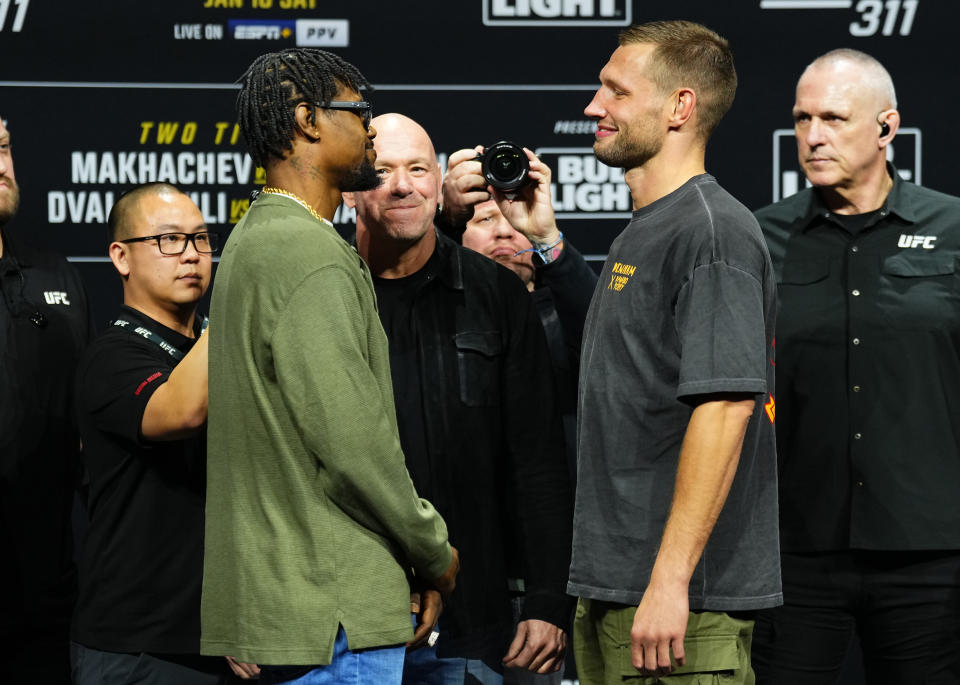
(377, 665)
(423, 667)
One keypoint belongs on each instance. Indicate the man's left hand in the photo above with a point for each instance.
(427, 605)
(538, 646)
(530, 211)
(659, 625)
(243, 670)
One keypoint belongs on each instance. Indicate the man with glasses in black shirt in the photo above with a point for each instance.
(142, 407)
(44, 324)
(868, 397)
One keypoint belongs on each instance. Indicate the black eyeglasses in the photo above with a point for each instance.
(204, 242)
(361, 108)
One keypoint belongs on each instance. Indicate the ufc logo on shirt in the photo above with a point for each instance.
(925, 241)
(55, 297)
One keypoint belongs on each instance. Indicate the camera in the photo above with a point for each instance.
(505, 166)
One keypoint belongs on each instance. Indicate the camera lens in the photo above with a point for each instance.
(505, 166)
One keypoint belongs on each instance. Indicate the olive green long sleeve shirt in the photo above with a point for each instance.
(312, 521)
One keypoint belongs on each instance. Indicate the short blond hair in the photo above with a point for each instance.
(690, 55)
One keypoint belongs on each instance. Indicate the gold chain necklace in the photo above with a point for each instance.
(299, 200)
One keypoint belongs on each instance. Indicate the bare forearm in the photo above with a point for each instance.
(708, 462)
(178, 408)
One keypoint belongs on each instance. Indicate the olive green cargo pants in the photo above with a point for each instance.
(717, 648)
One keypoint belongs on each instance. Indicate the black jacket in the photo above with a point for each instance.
(44, 325)
(562, 297)
(495, 444)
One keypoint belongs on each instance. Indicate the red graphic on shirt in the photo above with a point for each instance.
(771, 409)
(149, 380)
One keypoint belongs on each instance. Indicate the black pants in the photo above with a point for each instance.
(96, 667)
(36, 657)
(905, 607)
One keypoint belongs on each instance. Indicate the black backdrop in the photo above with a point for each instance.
(100, 95)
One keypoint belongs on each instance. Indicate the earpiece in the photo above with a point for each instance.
(884, 129)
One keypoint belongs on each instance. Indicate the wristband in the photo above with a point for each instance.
(543, 254)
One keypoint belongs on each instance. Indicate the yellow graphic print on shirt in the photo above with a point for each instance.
(620, 275)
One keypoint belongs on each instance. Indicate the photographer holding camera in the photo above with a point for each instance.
(477, 417)
(498, 198)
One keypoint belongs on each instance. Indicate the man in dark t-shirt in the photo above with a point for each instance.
(142, 408)
(675, 535)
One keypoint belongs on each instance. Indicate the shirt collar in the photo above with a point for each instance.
(897, 202)
(13, 256)
(449, 268)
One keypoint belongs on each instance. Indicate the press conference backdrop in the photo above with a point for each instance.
(102, 95)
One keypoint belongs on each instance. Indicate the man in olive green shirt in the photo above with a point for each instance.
(313, 524)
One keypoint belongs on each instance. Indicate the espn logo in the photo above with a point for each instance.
(256, 29)
(788, 177)
(557, 12)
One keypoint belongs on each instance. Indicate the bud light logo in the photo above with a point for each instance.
(557, 12)
(585, 188)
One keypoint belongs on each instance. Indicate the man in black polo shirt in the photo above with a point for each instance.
(868, 390)
(44, 324)
(142, 406)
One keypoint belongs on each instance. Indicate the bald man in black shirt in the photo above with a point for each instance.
(868, 397)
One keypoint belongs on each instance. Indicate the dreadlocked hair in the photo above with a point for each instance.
(275, 83)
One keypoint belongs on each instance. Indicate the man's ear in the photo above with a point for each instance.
(118, 255)
(307, 121)
(684, 102)
(349, 200)
(889, 121)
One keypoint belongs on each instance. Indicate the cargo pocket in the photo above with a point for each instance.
(711, 660)
(919, 291)
(913, 266)
(478, 363)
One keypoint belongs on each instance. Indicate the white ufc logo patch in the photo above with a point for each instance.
(55, 297)
(924, 241)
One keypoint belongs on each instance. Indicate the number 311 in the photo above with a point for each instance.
(872, 11)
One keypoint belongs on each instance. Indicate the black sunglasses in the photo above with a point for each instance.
(361, 108)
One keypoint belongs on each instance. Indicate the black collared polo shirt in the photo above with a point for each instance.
(868, 372)
(44, 326)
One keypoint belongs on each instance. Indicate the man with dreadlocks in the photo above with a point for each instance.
(313, 523)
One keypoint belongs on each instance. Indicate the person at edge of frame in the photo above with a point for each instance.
(868, 380)
(45, 323)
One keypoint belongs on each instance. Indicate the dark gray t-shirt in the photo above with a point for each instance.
(685, 306)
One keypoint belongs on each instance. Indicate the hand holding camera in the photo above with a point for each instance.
(511, 175)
